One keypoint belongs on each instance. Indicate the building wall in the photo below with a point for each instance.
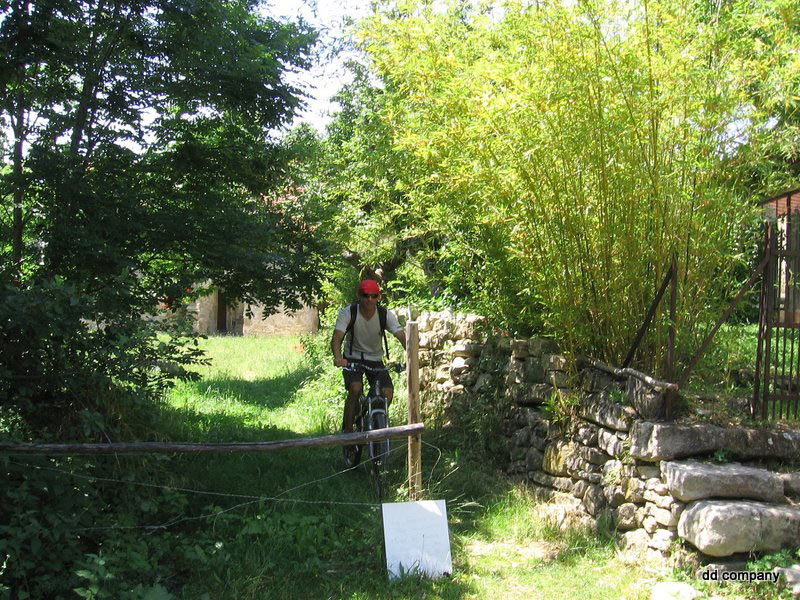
(205, 309)
(302, 321)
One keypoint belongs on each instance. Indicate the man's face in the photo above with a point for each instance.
(369, 301)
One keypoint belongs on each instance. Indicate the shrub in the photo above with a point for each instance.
(59, 371)
(563, 154)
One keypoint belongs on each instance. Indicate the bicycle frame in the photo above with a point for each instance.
(373, 403)
(373, 414)
(372, 407)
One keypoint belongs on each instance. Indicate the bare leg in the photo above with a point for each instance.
(351, 405)
(387, 393)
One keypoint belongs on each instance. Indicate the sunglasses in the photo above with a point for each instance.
(363, 295)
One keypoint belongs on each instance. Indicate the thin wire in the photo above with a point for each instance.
(203, 492)
(439, 450)
(172, 522)
(250, 498)
(138, 483)
(302, 485)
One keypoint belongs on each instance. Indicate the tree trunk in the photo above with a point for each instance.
(19, 193)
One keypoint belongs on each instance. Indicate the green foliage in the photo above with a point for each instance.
(478, 430)
(552, 159)
(59, 371)
(561, 408)
(361, 182)
(613, 476)
(762, 39)
(721, 456)
(59, 535)
(619, 396)
(337, 291)
(728, 365)
(782, 558)
(143, 159)
(785, 558)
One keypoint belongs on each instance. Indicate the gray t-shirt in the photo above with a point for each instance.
(368, 344)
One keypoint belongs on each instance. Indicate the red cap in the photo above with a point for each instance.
(369, 286)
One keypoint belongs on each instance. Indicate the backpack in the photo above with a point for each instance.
(351, 326)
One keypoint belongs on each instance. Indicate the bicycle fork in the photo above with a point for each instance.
(373, 415)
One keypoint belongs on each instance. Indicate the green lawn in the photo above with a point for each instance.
(321, 537)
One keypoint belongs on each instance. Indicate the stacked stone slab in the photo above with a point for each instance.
(653, 479)
(618, 464)
(451, 347)
(590, 458)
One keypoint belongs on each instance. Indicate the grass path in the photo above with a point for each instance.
(321, 537)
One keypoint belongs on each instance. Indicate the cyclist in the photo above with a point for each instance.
(365, 322)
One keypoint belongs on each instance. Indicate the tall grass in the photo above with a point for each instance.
(264, 389)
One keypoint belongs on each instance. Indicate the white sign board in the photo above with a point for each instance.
(417, 538)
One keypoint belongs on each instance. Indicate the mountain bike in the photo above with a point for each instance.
(373, 413)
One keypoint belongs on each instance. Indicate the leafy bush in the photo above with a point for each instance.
(67, 375)
(61, 534)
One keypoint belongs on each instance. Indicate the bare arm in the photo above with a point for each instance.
(336, 348)
(401, 336)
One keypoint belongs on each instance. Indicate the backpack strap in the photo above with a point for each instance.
(382, 317)
(351, 326)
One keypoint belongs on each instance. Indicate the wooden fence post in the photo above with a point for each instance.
(669, 375)
(414, 441)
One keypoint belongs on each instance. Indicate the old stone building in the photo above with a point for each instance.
(214, 315)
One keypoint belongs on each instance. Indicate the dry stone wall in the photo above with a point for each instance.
(465, 364)
(654, 480)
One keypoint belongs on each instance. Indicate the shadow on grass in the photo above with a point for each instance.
(255, 472)
(271, 393)
(322, 538)
(182, 424)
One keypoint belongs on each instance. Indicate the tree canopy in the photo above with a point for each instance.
(143, 156)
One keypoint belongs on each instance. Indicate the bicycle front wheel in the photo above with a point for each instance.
(379, 454)
(379, 449)
(352, 453)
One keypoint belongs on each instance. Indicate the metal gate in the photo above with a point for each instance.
(776, 393)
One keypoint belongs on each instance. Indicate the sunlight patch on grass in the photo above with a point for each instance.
(254, 381)
(513, 553)
(598, 575)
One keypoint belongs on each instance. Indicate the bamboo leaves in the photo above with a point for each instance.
(591, 138)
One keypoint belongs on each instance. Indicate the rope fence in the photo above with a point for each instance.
(250, 498)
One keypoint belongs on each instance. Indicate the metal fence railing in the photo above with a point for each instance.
(776, 392)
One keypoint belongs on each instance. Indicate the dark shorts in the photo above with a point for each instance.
(383, 378)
